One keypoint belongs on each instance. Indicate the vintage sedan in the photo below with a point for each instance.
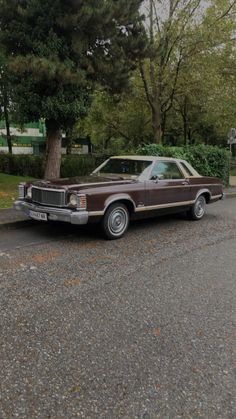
(122, 188)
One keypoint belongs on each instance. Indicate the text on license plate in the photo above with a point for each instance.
(38, 215)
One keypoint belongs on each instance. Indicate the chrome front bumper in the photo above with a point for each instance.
(54, 214)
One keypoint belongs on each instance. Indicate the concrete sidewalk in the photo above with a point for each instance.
(15, 219)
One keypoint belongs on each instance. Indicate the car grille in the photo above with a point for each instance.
(48, 197)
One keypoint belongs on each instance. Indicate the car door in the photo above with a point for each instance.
(167, 186)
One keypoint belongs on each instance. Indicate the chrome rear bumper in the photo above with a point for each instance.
(54, 214)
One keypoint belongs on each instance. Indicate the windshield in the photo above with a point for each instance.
(124, 167)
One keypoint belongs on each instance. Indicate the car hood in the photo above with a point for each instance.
(80, 182)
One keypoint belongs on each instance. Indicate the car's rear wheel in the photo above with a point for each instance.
(198, 210)
(115, 221)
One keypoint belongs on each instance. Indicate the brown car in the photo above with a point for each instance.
(123, 187)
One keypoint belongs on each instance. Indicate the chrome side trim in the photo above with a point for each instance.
(217, 196)
(172, 187)
(173, 204)
(206, 184)
(96, 213)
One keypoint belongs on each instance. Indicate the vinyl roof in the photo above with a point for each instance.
(145, 158)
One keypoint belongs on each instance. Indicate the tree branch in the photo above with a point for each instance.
(227, 11)
(145, 83)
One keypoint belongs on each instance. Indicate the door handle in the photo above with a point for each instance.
(185, 182)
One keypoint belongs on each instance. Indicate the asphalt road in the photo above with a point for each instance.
(143, 327)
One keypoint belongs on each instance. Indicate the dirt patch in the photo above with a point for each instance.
(46, 256)
(72, 282)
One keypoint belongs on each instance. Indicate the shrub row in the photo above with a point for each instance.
(207, 160)
(27, 165)
(22, 165)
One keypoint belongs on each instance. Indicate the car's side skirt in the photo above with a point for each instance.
(160, 206)
(171, 205)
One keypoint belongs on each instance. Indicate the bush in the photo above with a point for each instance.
(77, 165)
(207, 160)
(22, 165)
(28, 165)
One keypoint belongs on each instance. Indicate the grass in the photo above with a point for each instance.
(9, 189)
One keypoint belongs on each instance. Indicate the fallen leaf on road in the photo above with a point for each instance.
(72, 282)
(157, 331)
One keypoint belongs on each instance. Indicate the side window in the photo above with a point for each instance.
(166, 170)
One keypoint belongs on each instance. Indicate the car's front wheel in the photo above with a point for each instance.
(198, 210)
(115, 221)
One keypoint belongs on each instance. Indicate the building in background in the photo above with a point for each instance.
(31, 139)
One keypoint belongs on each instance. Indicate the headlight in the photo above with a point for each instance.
(78, 201)
(73, 200)
(29, 192)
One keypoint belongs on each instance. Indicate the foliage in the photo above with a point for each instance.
(207, 160)
(9, 189)
(117, 123)
(77, 165)
(196, 95)
(197, 106)
(57, 50)
(22, 165)
(185, 38)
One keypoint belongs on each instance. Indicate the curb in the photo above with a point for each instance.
(230, 195)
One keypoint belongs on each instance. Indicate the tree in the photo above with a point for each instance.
(5, 101)
(57, 49)
(179, 30)
(118, 121)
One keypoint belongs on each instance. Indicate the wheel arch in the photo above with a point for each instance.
(206, 193)
(124, 199)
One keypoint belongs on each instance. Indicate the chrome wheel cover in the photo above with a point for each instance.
(118, 221)
(200, 207)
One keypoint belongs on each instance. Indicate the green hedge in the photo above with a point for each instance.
(24, 165)
(79, 165)
(207, 160)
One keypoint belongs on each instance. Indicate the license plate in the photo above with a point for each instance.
(41, 216)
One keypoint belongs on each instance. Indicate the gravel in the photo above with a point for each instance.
(143, 327)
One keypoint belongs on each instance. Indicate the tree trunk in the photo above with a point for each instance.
(53, 150)
(6, 116)
(156, 126)
(69, 140)
(185, 122)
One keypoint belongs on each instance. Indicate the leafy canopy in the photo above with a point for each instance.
(57, 49)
